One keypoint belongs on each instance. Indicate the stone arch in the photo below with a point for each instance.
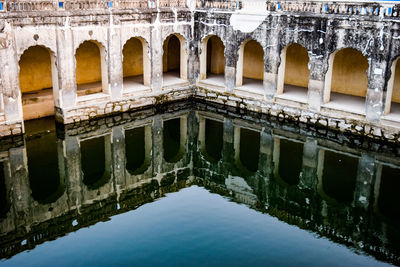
(38, 82)
(344, 64)
(136, 62)
(250, 52)
(91, 72)
(293, 70)
(211, 138)
(175, 62)
(138, 145)
(393, 88)
(212, 56)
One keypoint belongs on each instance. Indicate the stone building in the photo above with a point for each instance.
(329, 64)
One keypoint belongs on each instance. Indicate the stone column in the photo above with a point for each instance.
(157, 142)
(374, 103)
(72, 158)
(9, 79)
(115, 61)
(271, 61)
(309, 178)
(156, 47)
(119, 157)
(228, 152)
(265, 162)
(316, 82)
(66, 68)
(364, 183)
(230, 60)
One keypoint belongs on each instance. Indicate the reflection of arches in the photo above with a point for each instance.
(392, 103)
(38, 80)
(96, 161)
(288, 161)
(247, 150)
(337, 174)
(138, 149)
(250, 66)
(175, 57)
(346, 75)
(174, 138)
(212, 58)
(211, 139)
(91, 68)
(389, 193)
(293, 71)
(4, 196)
(46, 179)
(136, 63)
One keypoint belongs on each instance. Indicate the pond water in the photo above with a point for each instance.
(195, 184)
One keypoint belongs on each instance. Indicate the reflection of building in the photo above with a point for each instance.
(177, 149)
(331, 64)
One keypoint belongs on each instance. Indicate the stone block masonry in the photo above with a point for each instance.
(332, 65)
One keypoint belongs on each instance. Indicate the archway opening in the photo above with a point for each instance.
(96, 161)
(294, 73)
(213, 140)
(174, 138)
(91, 70)
(389, 193)
(346, 82)
(38, 82)
(138, 149)
(288, 161)
(136, 64)
(45, 177)
(339, 176)
(250, 67)
(212, 61)
(392, 104)
(174, 60)
(248, 151)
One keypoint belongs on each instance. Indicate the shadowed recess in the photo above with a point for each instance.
(93, 160)
(135, 150)
(339, 177)
(172, 139)
(389, 193)
(213, 139)
(4, 198)
(249, 149)
(44, 175)
(290, 161)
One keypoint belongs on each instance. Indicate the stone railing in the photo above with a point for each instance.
(223, 4)
(53, 5)
(345, 8)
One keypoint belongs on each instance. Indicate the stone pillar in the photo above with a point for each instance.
(115, 61)
(374, 103)
(118, 157)
(156, 47)
(157, 141)
(9, 79)
(72, 158)
(193, 65)
(228, 153)
(271, 62)
(265, 162)
(230, 60)
(316, 82)
(66, 68)
(309, 178)
(364, 183)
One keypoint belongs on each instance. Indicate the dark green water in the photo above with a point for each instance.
(150, 191)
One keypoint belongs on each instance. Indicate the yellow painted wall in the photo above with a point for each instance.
(215, 55)
(349, 74)
(396, 84)
(172, 54)
(35, 69)
(296, 68)
(88, 65)
(133, 58)
(253, 61)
